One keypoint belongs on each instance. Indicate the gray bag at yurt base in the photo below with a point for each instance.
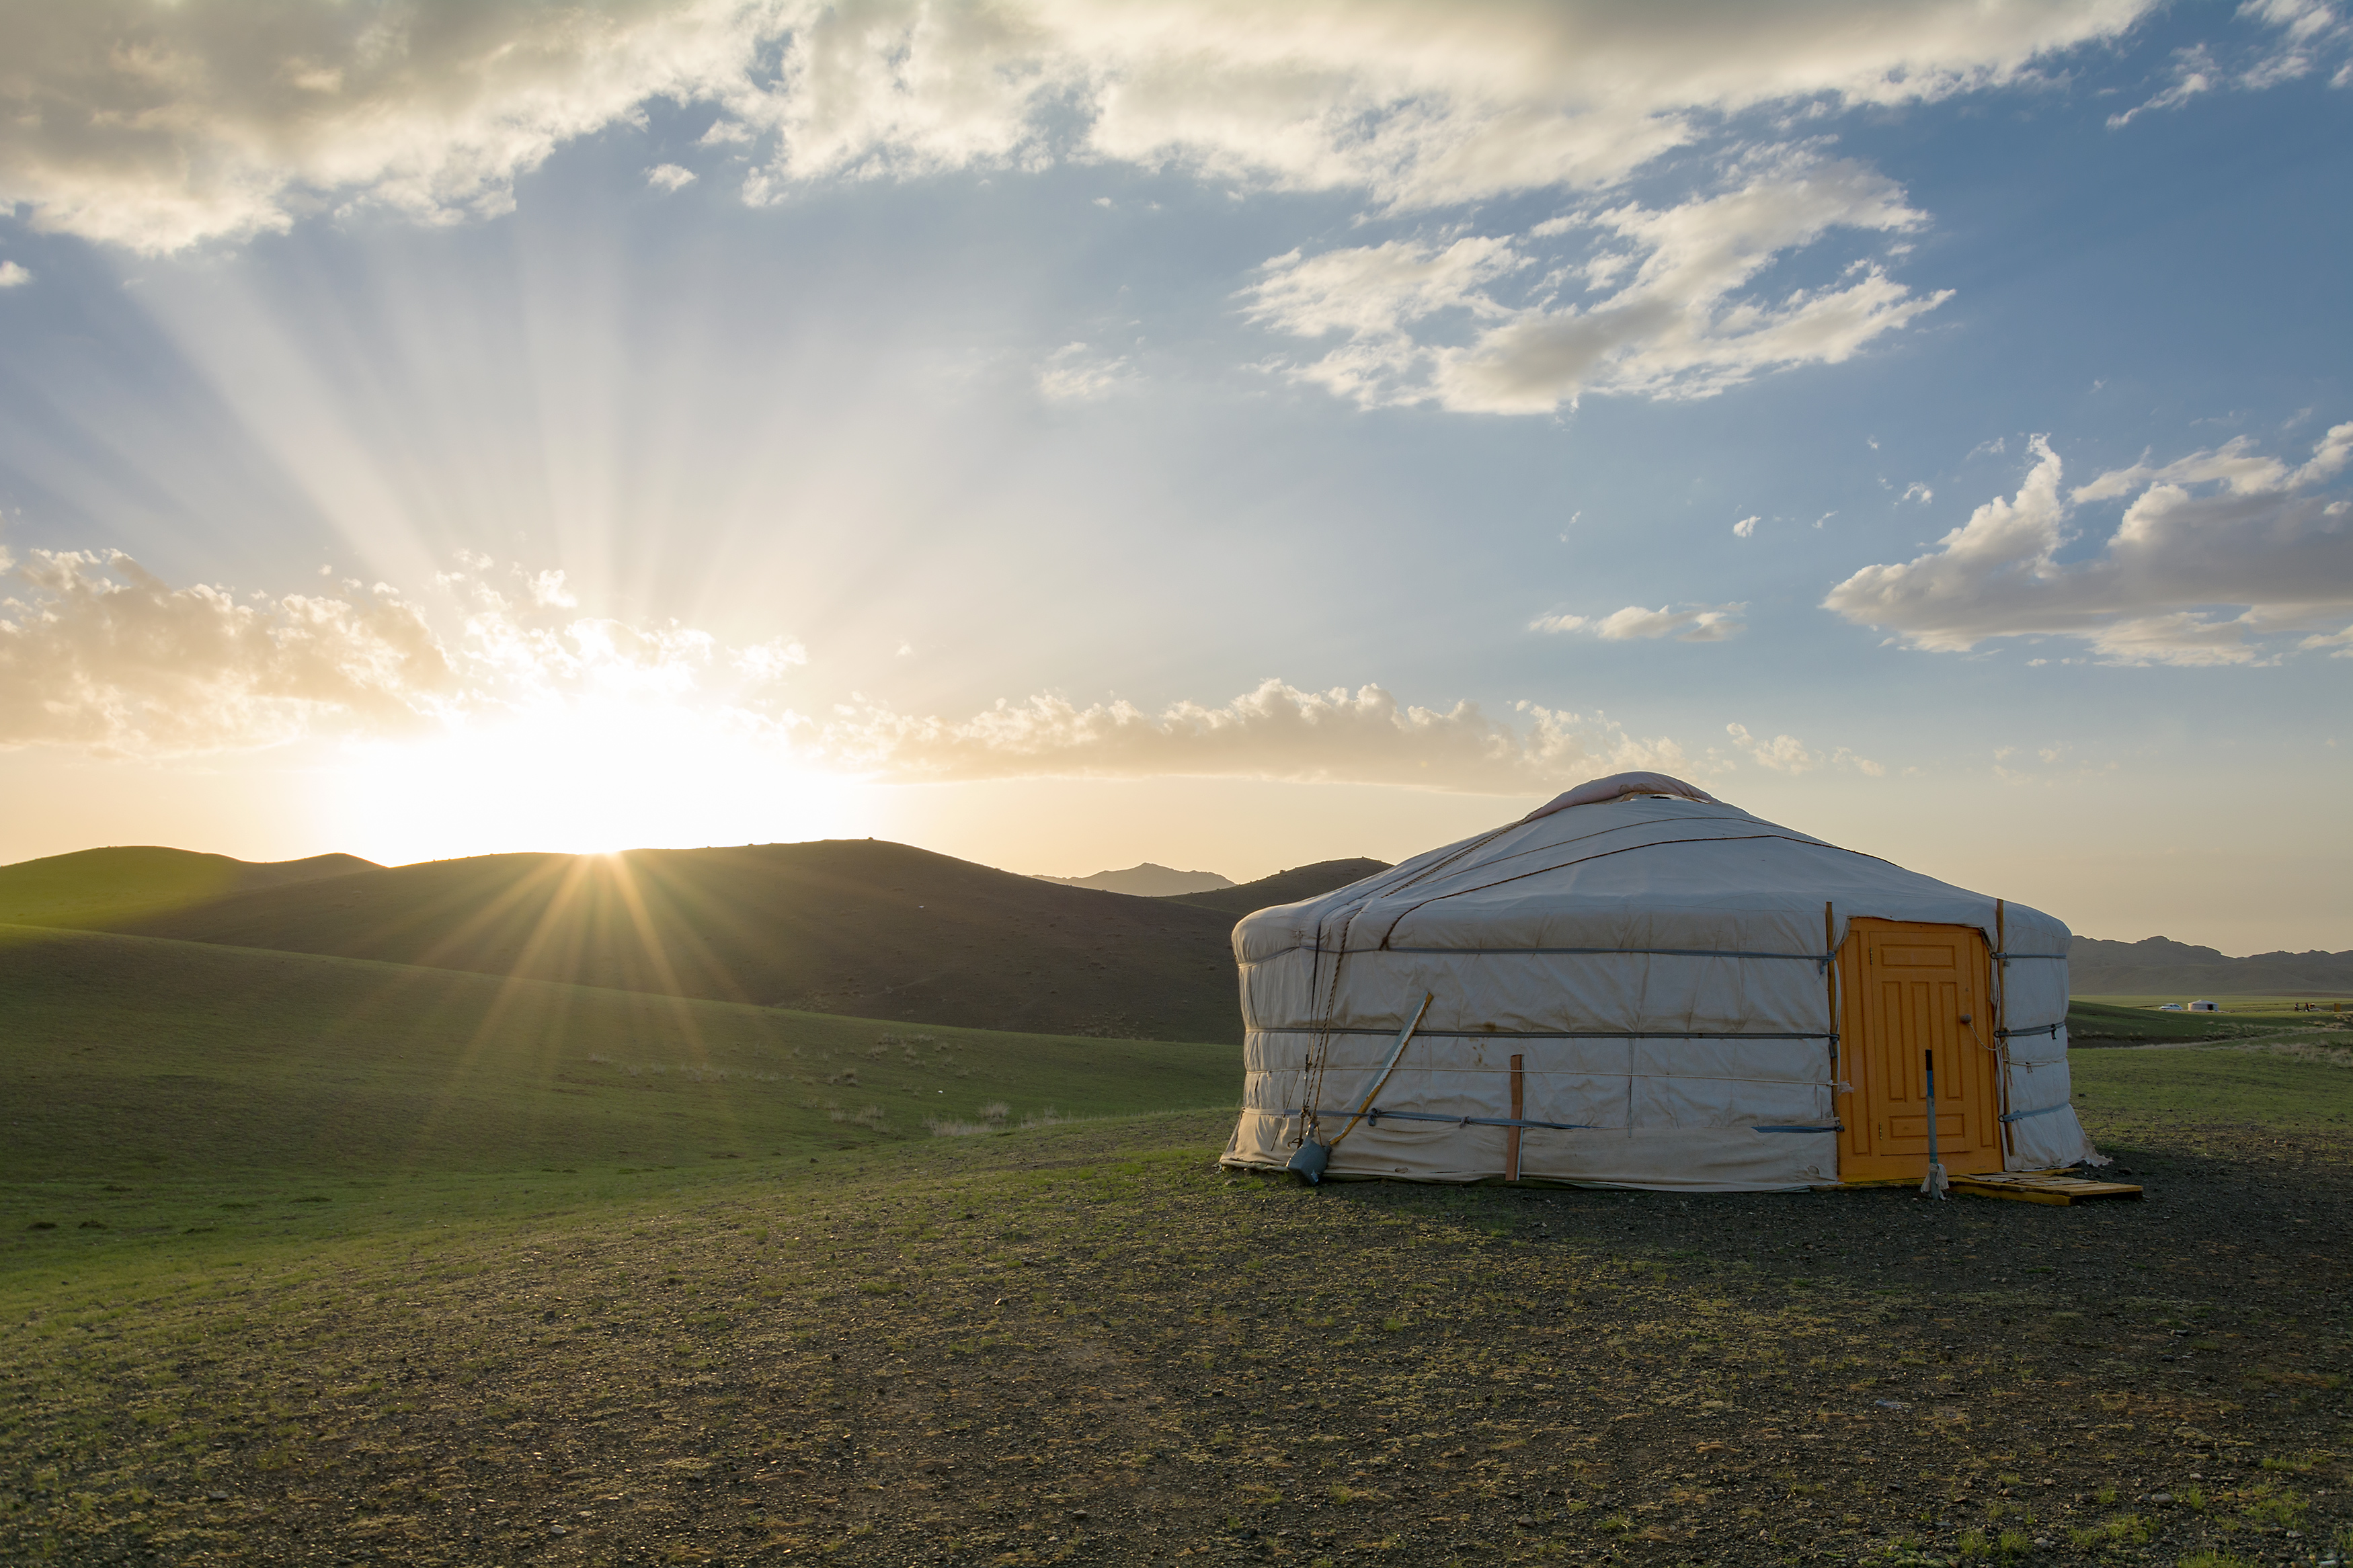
(1639, 985)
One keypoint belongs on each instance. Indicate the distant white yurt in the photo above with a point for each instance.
(1639, 986)
(2202, 1005)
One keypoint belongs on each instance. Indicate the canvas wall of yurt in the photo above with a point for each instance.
(1640, 986)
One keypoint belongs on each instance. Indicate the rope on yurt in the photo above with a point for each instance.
(1830, 996)
(1396, 1056)
(1374, 1115)
(2000, 1047)
(1310, 1087)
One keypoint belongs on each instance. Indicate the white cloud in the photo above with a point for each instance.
(670, 176)
(1692, 623)
(2303, 34)
(1917, 491)
(97, 653)
(159, 127)
(2214, 552)
(547, 589)
(1782, 754)
(1745, 528)
(1276, 732)
(13, 275)
(1787, 754)
(2336, 645)
(1680, 326)
(1075, 374)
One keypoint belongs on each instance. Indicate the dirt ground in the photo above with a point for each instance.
(1092, 1346)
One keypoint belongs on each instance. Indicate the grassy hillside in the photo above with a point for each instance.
(2112, 1023)
(1283, 888)
(135, 1059)
(99, 886)
(857, 927)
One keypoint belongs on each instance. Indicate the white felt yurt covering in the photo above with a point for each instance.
(1657, 958)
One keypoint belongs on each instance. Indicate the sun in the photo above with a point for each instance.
(584, 779)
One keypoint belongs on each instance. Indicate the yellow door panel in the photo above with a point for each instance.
(1914, 995)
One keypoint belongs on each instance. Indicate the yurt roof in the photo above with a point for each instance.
(1633, 862)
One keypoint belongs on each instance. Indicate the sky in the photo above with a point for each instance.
(1063, 434)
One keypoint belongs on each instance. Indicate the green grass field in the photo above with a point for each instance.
(2266, 1005)
(2105, 1021)
(158, 1087)
(2139, 1091)
(312, 1259)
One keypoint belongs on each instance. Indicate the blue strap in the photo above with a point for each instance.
(1374, 1115)
(1834, 1127)
(2022, 1115)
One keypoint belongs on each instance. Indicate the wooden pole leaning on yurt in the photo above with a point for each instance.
(1512, 1134)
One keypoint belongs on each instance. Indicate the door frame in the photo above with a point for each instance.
(1857, 1042)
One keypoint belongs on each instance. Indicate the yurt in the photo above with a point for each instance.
(1638, 985)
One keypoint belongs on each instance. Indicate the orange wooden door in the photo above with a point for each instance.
(1908, 989)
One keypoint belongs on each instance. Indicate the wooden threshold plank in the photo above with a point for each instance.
(2043, 1188)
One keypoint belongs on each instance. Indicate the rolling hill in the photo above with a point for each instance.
(858, 927)
(1148, 881)
(93, 886)
(1283, 888)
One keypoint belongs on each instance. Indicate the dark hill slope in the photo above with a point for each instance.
(94, 886)
(2158, 966)
(1283, 888)
(861, 927)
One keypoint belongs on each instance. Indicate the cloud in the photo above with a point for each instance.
(2303, 34)
(1917, 491)
(1276, 732)
(1692, 623)
(13, 275)
(670, 176)
(1745, 527)
(2213, 551)
(1424, 323)
(101, 654)
(98, 653)
(156, 127)
(160, 127)
(1787, 754)
(1783, 753)
(1074, 373)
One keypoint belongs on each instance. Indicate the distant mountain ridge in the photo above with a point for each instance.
(1148, 881)
(2157, 965)
(1285, 886)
